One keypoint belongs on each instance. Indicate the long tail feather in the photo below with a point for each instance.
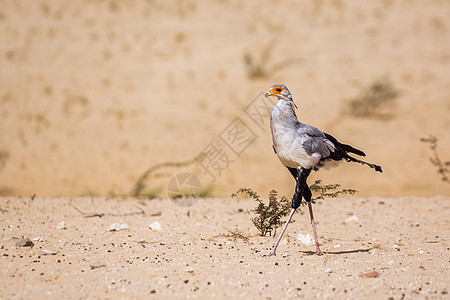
(374, 166)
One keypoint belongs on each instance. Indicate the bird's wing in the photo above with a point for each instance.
(345, 147)
(314, 140)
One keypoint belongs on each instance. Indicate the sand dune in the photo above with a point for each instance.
(95, 93)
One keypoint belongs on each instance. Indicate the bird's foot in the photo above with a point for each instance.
(318, 252)
(272, 253)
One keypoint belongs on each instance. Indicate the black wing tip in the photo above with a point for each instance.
(378, 168)
(359, 152)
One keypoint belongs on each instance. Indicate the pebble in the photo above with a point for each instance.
(118, 226)
(372, 274)
(306, 239)
(61, 225)
(24, 243)
(155, 226)
(47, 252)
(396, 247)
(353, 218)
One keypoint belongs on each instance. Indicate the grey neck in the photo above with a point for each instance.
(284, 111)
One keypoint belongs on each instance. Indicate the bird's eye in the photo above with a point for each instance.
(278, 90)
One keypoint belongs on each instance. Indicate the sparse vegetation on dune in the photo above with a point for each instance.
(140, 187)
(443, 167)
(374, 101)
(262, 66)
(4, 156)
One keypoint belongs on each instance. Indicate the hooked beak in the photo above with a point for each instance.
(268, 93)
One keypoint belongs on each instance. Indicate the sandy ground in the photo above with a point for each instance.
(192, 257)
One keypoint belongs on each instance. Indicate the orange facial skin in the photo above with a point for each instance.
(276, 90)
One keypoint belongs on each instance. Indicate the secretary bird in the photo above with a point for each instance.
(302, 148)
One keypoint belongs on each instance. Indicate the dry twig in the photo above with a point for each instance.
(91, 215)
(442, 166)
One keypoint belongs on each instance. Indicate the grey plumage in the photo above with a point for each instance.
(314, 140)
(302, 148)
(298, 144)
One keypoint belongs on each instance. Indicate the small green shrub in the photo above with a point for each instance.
(328, 191)
(268, 217)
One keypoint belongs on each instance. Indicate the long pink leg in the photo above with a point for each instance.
(282, 232)
(318, 252)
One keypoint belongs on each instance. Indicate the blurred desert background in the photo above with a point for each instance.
(97, 97)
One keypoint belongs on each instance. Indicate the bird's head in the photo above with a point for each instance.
(281, 92)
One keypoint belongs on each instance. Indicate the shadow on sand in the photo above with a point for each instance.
(338, 252)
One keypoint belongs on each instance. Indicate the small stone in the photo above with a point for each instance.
(61, 225)
(353, 218)
(47, 252)
(337, 246)
(306, 239)
(96, 265)
(396, 247)
(155, 226)
(118, 226)
(24, 243)
(329, 270)
(372, 274)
